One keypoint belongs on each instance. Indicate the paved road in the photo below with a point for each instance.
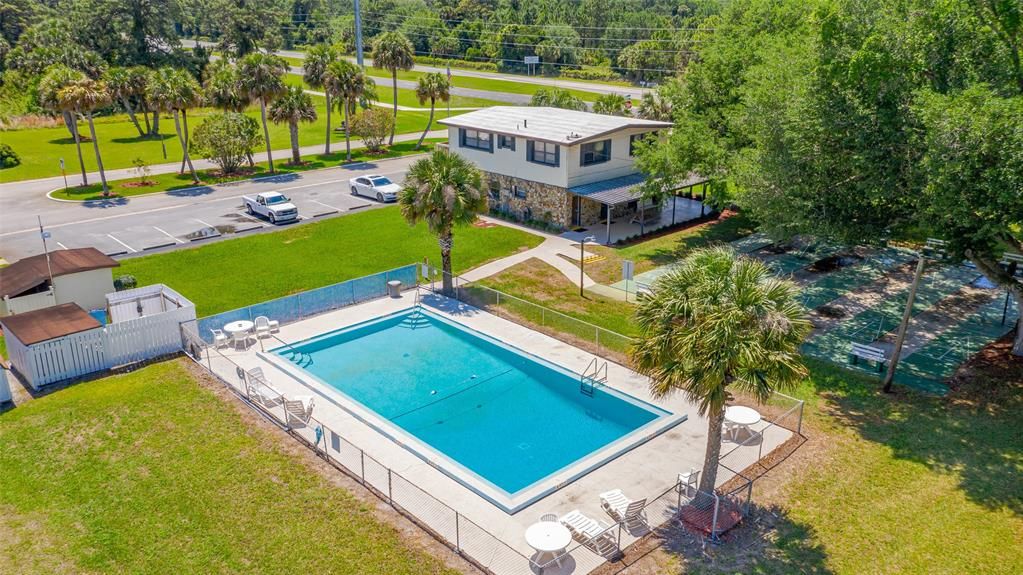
(145, 224)
(539, 80)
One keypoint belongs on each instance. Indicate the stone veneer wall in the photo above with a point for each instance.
(547, 203)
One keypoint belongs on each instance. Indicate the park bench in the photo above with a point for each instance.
(868, 353)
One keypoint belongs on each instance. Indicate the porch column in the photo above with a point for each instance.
(703, 200)
(609, 208)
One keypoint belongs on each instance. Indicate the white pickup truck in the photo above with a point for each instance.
(273, 206)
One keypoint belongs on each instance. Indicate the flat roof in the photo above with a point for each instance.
(555, 125)
(29, 272)
(48, 323)
(622, 189)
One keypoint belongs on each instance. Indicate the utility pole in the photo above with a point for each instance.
(937, 249)
(49, 269)
(358, 34)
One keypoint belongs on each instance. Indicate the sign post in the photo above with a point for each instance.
(531, 62)
(628, 268)
(63, 172)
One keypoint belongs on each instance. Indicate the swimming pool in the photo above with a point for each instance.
(474, 407)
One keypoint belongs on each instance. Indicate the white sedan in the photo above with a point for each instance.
(378, 187)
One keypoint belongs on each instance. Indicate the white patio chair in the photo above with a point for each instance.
(549, 518)
(590, 531)
(219, 338)
(260, 390)
(300, 408)
(262, 326)
(621, 508)
(240, 337)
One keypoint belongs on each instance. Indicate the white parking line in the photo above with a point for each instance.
(62, 246)
(168, 235)
(208, 225)
(326, 205)
(248, 217)
(310, 185)
(130, 249)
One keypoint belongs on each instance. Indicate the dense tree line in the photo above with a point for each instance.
(861, 120)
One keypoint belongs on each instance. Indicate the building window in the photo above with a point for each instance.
(476, 140)
(639, 138)
(506, 142)
(543, 153)
(495, 190)
(595, 153)
(519, 192)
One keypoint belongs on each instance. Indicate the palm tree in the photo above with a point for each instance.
(557, 98)
(444, 190)
(175, 91)
(261, 77)
(716, 321)
(610, 105)
(654, 106)
(222, 88)
(348, 83)
(54, 79)
(127, 85)
(82, 98)
(432, 86)
(314, 72)
(393, 51)
(293, 107)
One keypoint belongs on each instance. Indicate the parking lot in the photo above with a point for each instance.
(163, 222)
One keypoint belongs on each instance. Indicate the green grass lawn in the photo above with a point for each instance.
(313, 255)
(148, 472)
(407, 97)
(120, 144)
(175, 181)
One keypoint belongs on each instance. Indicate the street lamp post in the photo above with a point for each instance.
(582, 262)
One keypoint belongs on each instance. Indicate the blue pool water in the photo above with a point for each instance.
(509, 418)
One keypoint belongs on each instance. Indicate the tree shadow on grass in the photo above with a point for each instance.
(973, 433)
(142, 139)
(767, 541)
(723, 230)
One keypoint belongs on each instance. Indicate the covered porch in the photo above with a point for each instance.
(630, 214)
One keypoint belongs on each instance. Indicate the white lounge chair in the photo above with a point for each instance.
(219, 338)
(621, 508)
(262, 326)
(260, 390)
(300, 408)
(591, 532)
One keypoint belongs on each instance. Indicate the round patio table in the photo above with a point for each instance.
(741, 416)
(238, 330)
(549, 538)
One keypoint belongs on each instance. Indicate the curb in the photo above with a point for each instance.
(50, 196)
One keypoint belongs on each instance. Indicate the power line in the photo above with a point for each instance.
(488, 22)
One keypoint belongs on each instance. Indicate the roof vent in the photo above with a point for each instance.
(573, 136)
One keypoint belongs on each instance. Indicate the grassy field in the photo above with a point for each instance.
(150, 473)
(313, 255)
(887, 484)
(120, 144)
(407, 97)
(175, 181)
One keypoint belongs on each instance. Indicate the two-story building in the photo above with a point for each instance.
(564, 167)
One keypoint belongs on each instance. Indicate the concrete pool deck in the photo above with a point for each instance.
(646, 471)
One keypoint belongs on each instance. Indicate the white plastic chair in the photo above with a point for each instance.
(219, 338)
(300, 408)
(262, 326)
(590, 531)
(621, 508)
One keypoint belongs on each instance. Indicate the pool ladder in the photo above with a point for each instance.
(594, 375)
(297, 357)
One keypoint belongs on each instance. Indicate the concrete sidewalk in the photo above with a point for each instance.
(74, 178)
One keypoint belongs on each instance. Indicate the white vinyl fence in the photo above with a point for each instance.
(125, 342)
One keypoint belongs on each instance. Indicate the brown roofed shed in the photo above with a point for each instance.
(48, 323)
(28, 273)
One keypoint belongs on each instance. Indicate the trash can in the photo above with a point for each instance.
(394, 288)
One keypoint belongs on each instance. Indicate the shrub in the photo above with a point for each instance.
(8, 157)
(226, 139)
(373, 126)
(125, 282)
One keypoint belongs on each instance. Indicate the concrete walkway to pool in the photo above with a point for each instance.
(549, 252)
(649, 470)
